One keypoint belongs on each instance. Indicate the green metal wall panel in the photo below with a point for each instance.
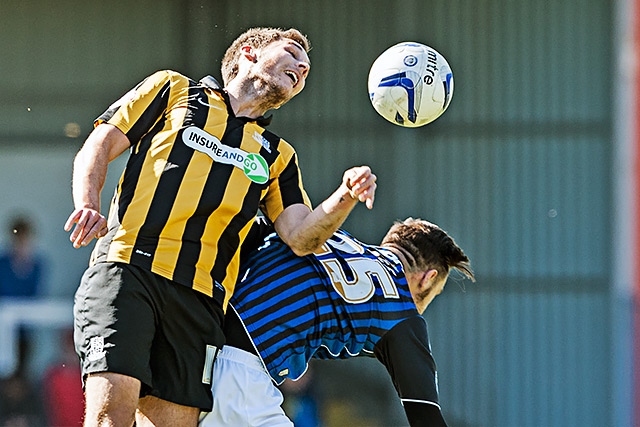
(517, 170)
(66, 62)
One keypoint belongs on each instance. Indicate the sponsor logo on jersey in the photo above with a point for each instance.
(263, 141)
(253, 165)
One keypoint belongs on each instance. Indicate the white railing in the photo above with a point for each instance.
(16, 312)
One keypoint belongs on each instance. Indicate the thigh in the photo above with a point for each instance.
(186, 343)
(155, 412)
(131, 321)
(243, 393)
(111, 397)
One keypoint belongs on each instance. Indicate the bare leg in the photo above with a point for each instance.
(153, 411)
(111, 400)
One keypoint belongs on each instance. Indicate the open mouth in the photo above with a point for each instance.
(293, 76)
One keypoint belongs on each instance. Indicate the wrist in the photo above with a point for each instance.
(346, 194)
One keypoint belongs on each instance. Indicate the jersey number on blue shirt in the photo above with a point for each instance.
(354, 279)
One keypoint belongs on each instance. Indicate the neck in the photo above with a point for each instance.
(245, 99)
(413, 279)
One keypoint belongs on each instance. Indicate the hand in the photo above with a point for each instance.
(361, 183)
(90, 224)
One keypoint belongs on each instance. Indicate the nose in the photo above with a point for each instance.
(304, 67)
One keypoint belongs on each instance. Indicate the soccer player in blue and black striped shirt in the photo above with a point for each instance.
(347, 299)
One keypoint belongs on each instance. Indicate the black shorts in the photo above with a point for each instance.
(131, 321)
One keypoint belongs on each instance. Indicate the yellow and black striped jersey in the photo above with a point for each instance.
(193, 183)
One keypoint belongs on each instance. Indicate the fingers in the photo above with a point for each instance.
(89, 224)
(361, 183)
(72, 219)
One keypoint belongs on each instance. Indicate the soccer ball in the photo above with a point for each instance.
(410, 84)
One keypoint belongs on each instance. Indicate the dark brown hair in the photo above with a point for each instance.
(426, 246)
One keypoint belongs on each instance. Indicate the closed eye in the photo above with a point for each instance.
(293, 53)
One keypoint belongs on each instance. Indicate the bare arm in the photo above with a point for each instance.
(104, 144)
(305, 231)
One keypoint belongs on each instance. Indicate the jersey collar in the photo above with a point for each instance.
(212, 83)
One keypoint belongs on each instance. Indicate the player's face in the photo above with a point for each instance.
(281, 70)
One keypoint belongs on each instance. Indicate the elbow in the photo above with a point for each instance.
(301, 250)
(304, 248)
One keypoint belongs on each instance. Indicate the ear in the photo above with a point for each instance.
(249, 53)
(428, 279)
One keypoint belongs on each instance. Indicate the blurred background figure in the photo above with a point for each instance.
(62, 387)
(21, 267)
(301, 401)
(20, 402)
(21, 274)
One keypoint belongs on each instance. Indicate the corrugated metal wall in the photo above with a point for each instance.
(517, 170)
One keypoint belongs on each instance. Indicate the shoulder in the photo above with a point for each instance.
(406, 336)
(412, 325)
(171, 74)
(171, 77)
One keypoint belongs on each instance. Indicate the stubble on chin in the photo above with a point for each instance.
(272, 96)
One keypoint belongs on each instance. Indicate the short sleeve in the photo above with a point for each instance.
(285, 189)
(138, 110)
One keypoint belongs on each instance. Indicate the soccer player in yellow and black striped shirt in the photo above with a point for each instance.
(149, 309)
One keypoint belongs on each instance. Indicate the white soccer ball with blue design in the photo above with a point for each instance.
(410, 84)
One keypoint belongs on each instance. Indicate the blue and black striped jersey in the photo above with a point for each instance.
(336, 303)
